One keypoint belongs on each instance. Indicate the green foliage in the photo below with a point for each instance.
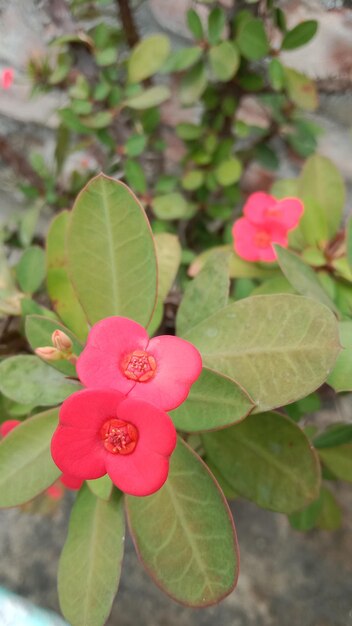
(300, 35)
(39, 330)
(267, 459)
(252, 39)
(31, 269)
(184, 533)
(147, 57)
(26, 464)
(90, 563)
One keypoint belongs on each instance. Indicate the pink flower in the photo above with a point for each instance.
(266, 221)
(6, 77)
(254, 242)
(119, 355)
(104, 432)
(261, 208)
(53, 491)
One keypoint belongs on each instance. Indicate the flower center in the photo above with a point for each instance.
(119, 437)
(139, 366)
(273, 212)
(262, 239)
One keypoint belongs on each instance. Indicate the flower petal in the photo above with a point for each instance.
(138, 474)
(99, 365)
(78, 452)
(256, 206)
(7, 426)
(89, 408)
(290, 211)
(178, 365)
(244, 232)
(156, 429)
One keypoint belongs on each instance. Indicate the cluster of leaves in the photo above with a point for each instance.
(259, 353)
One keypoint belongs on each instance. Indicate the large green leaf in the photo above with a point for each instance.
(184, 533)
(341, 376)
(338, 460)
(168, 252)
(38, 332)
(25, 460)
(302, 277)
(215, 401)
(28, 380)
(90, 563)
(147, 57)
(321, 182)
(111, 252)
(267, 459)
(60, 290)
(206, 294)
(278, 347)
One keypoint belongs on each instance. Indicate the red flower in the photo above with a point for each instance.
(119, 355)
(52, 491)
(266, 221)
(104, 432)
(6, 77)
(261, 208)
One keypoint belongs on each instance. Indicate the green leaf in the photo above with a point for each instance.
(102, 119)
(194, 24)
(168, 252)
(101, 487)
(216, 25)
(252, 39)
(31, 269)
(31, 307)
(28, 380)
(147, 57)
(39, 330)
(238, 268)
(135, 176)
(276, 284)
(148, 98)
(338, 460)
(60, 289)
(349, 241)
(300, 35)
(188, 131)
(205, 295)
(224, 60)
(276, 74)
(182, 59)
(322, 182)
(26, 464)
(330, 516)
(278, 347)
(108, 56)
(334, 435)
(90, 563)
(307, 518)
(267, 459)
(171, 206)
(193, 84)
(302, 277)
(215, 401)
(301, 90)
(228, 172)
(341, 376)
(184, 533)
(193, 180)
(135, 145)
(111, 254)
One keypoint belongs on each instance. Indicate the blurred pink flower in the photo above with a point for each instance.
(6, 77)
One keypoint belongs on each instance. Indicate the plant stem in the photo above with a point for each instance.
(128, 23)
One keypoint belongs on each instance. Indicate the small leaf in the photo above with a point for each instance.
(301, 90)
(171, 206)
(101, 487)
(338, 460)
(111, 255)
(135, 145)
(302, 277)
(193, 84)
(334, 435)
(135, 176)
(278, 347)
(307, 518)
(184, 533)
(194, 24)
(147, 57)
(168, 252)
(214, 402)
(349, 241)
(330, 516)
(193, 180)
(252, 39)
(39, 330)
(188, 131)
(276, 74)
(28, 380)
(90, 563)
(148, 98)
(300, 35)
(26, 464)
(224, 60)
(267, 459)
(216, 25)
(60, 289)
(228, 172)
(205, 295)
(31, 269)
(341, 376)
(182, 59)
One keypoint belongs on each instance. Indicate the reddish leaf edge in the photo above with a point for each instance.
(235, 544)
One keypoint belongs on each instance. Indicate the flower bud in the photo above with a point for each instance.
(48, 353)
(61, 341)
